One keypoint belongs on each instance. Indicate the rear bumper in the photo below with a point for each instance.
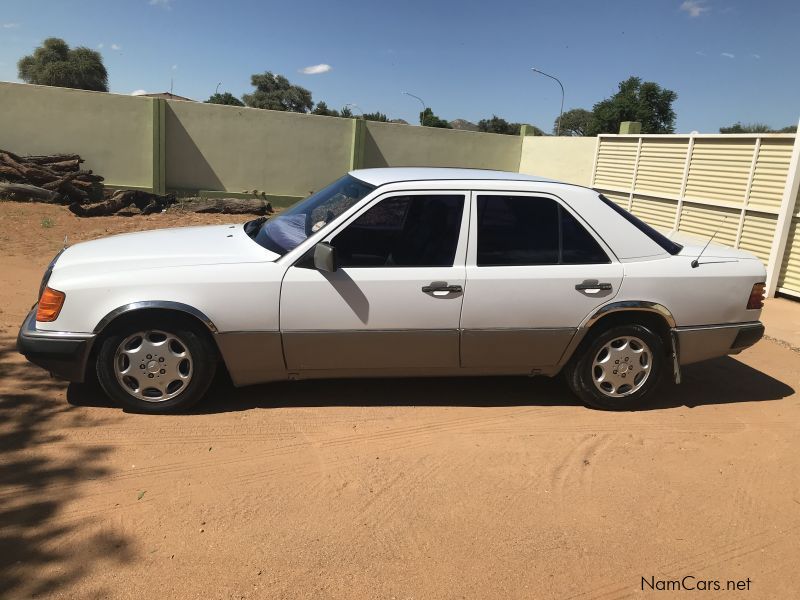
(64, 354)
(701, 343)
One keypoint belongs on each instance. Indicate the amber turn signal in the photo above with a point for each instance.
(757, 296)
(49, 305)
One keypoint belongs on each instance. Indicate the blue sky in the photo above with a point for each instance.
(728, 60)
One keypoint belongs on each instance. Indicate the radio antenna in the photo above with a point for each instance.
(696, 262)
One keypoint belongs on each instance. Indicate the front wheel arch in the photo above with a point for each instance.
(143, 312)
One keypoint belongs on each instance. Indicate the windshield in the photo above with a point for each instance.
(285, 232)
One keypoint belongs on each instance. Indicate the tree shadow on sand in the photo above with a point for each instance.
(40, 473)
(720, 381)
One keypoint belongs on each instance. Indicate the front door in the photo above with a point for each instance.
(534, 272)
(394, 301)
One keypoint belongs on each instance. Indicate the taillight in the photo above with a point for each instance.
(49, 305)
(756, 296)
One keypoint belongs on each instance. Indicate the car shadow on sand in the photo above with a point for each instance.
(720, 381)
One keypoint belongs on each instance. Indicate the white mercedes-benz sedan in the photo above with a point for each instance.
(398, 272)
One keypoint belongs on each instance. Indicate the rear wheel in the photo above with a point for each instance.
(618, 368)
(156, 367)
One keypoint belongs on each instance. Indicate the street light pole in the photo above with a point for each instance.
(558, 126)
(421, 101)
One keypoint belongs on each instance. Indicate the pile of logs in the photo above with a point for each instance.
(59, 179)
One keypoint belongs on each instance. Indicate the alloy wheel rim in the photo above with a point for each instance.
(153, 365)
(622, 366)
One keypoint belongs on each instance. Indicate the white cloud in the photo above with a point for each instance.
(174, 67)
(701, 53)
(756, 56)
(116, 47)
(727, 55)
(10, 25)
(138, 92)
(167, 4)
(100, 46)
(694, 8)
(316, 69)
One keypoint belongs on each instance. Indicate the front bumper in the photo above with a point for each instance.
(62, 353)
(701, 343)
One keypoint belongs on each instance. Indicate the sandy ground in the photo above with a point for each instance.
(471, 488)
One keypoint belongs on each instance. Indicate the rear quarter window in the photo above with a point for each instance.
(659, 238)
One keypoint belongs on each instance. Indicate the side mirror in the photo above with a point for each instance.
(324, 257)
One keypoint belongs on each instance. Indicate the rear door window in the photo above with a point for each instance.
(529, 230)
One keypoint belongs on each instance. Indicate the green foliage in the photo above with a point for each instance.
(274, 92)
(54, 63)
(346, 112)
(575, 122)
(376, 116)
(646, 102)
(756, 128)
(225, 98)
(428, 119)
(322, 109)
(499, 125)
(47, 222)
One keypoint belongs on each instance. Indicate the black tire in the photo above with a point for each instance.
(202, 361)
(581, 373)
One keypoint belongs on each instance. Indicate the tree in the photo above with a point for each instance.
(756, 128)
(428, 119)
(54, 63)
(346, 112)
(376, 116)
(322, 109)
(499, 125)
(575, 122)
(274, 92)
(646, 102)
(225, 98)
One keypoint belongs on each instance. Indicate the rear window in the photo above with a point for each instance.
(659, 238)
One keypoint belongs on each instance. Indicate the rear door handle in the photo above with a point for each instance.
(441, 286)
(593, 285)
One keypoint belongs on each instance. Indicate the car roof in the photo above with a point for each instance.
(378, 177)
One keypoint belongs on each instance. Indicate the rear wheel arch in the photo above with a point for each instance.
(652, 315)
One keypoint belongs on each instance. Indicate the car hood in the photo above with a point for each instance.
(693, 246)
(160, 248)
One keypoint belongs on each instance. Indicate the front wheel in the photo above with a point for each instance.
(618, 368)
(156, 368)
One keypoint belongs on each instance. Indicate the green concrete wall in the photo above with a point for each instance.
(397, 145)
(175, 145)
(114, 134)
(214, 147)
(567, 159)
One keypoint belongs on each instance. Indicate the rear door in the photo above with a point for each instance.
(534, 272)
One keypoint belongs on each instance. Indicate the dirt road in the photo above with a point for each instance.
(470, 488)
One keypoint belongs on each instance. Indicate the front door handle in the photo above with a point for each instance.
(592, 285)
(441, 286)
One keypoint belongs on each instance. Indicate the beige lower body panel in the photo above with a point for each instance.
(522, 348)
(252, 356)
(258, 357)
(368, 350)
(696, 344)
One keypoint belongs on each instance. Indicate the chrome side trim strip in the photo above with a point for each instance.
(165, 304)
(31, 331)
(631, 305)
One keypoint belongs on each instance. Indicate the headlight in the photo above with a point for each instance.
(48, 272)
